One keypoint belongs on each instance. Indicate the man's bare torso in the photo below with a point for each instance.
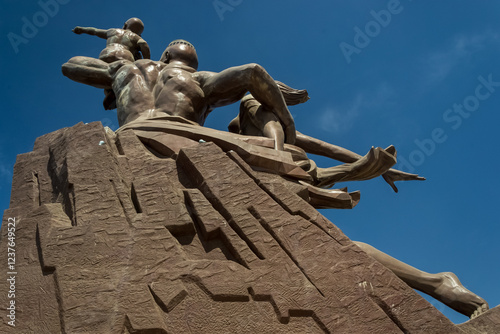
(146, 89)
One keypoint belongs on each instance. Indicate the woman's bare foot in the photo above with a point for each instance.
(452, 293)
(445, 287)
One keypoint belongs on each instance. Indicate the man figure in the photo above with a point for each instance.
(172, 86)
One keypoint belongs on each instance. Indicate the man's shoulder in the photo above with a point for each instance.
(202, 76)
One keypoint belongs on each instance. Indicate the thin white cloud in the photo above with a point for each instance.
(5, 172)
(440, 63)
(5, 176)
(341, 119)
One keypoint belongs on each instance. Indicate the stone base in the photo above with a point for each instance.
(112, 238)
(488, 322)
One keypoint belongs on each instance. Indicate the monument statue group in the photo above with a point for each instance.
(153, 94)
(169, 226)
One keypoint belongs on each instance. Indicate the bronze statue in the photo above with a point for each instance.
(150, 91)
(121, 44)
(173, 86)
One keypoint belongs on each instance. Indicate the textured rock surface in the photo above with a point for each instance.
(112, 238)
(486, 323)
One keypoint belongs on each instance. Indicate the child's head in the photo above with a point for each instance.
(135, 25)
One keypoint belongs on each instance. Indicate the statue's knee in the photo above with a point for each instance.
(75, 60)
(274, 130)
(255, 69)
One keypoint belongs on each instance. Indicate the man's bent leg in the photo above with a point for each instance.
(89, 71)
(445, 286)
(231, 84)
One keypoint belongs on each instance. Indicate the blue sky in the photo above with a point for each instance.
(421, 75)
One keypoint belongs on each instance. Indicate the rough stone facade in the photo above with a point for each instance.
(112, 238)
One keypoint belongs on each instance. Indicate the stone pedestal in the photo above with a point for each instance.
(113, 238)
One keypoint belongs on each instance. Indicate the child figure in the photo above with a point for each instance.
(121, 44)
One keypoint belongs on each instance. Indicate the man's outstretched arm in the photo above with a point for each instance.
(230, 85)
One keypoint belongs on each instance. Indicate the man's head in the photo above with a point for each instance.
(135, 25)
(181, 51)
